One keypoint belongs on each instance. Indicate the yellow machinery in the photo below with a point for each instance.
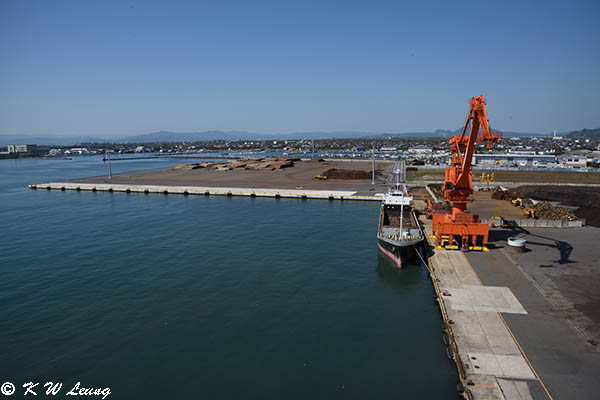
(320, 177)
(518, 202)
(487, 177)
(530, 213)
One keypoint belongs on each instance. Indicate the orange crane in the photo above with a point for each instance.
(461, 228)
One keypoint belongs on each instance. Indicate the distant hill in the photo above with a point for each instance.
(167, 136)
(5, 140)
(446, 133)
(585, 134)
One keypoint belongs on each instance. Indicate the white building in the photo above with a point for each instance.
(574, 161)
(77, 151)
(516, 159)
(554, 137)
(420, 150)
(22, 148)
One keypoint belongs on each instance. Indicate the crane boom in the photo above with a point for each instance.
(458, 186)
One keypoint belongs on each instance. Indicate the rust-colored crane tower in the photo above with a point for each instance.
(461, 228)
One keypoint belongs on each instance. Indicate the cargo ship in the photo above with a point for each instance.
(399, 234)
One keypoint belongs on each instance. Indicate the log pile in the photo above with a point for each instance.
(349, 174)
(272, 164)
(545, 210)
(190, 166)
(436, 188)
(395, 220)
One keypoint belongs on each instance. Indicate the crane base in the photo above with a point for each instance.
(468, 234)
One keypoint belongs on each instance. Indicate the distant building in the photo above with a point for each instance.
(574, 160)
(22, 148)
(358, 148)
(77, 151)
(554, 137)
(389, 149)
(420, 150)
(522, 152)
(594, 157)
(516, 159)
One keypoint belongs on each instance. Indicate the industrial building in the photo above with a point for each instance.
(521, 159)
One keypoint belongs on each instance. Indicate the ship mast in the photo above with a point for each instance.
(400, 169)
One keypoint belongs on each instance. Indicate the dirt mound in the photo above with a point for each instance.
(581, 196)
(586, 198)
(590, 214)
(335, 173)
(500, 194)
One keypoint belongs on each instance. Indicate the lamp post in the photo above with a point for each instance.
(373, 166)
(109, 166)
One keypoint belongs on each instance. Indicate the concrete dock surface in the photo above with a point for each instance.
(525, 325)
(215, 191)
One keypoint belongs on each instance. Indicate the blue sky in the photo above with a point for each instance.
(117, 68)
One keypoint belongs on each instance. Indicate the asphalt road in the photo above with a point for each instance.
(557, 283)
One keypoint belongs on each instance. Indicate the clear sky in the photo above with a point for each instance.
(118, 68)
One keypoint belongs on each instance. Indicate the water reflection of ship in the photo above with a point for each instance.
(403, 279)
(399, 232)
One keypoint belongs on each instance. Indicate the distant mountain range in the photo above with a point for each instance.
(168, 136)
(5, 140)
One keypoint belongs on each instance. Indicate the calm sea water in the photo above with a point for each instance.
(166, 296)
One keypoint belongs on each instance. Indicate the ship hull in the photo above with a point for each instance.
(399, 255)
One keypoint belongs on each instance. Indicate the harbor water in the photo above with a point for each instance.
(171, 296)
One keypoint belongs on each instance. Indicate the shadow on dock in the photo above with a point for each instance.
(498, 238)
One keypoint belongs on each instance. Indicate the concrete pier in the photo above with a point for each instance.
(510, 337)
(490, 361)
(205, 190)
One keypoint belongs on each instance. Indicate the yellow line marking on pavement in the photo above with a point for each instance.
(510, 331)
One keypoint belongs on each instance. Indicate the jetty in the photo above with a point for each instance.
(208, 191)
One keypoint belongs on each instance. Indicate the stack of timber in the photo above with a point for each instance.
(245, 164)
